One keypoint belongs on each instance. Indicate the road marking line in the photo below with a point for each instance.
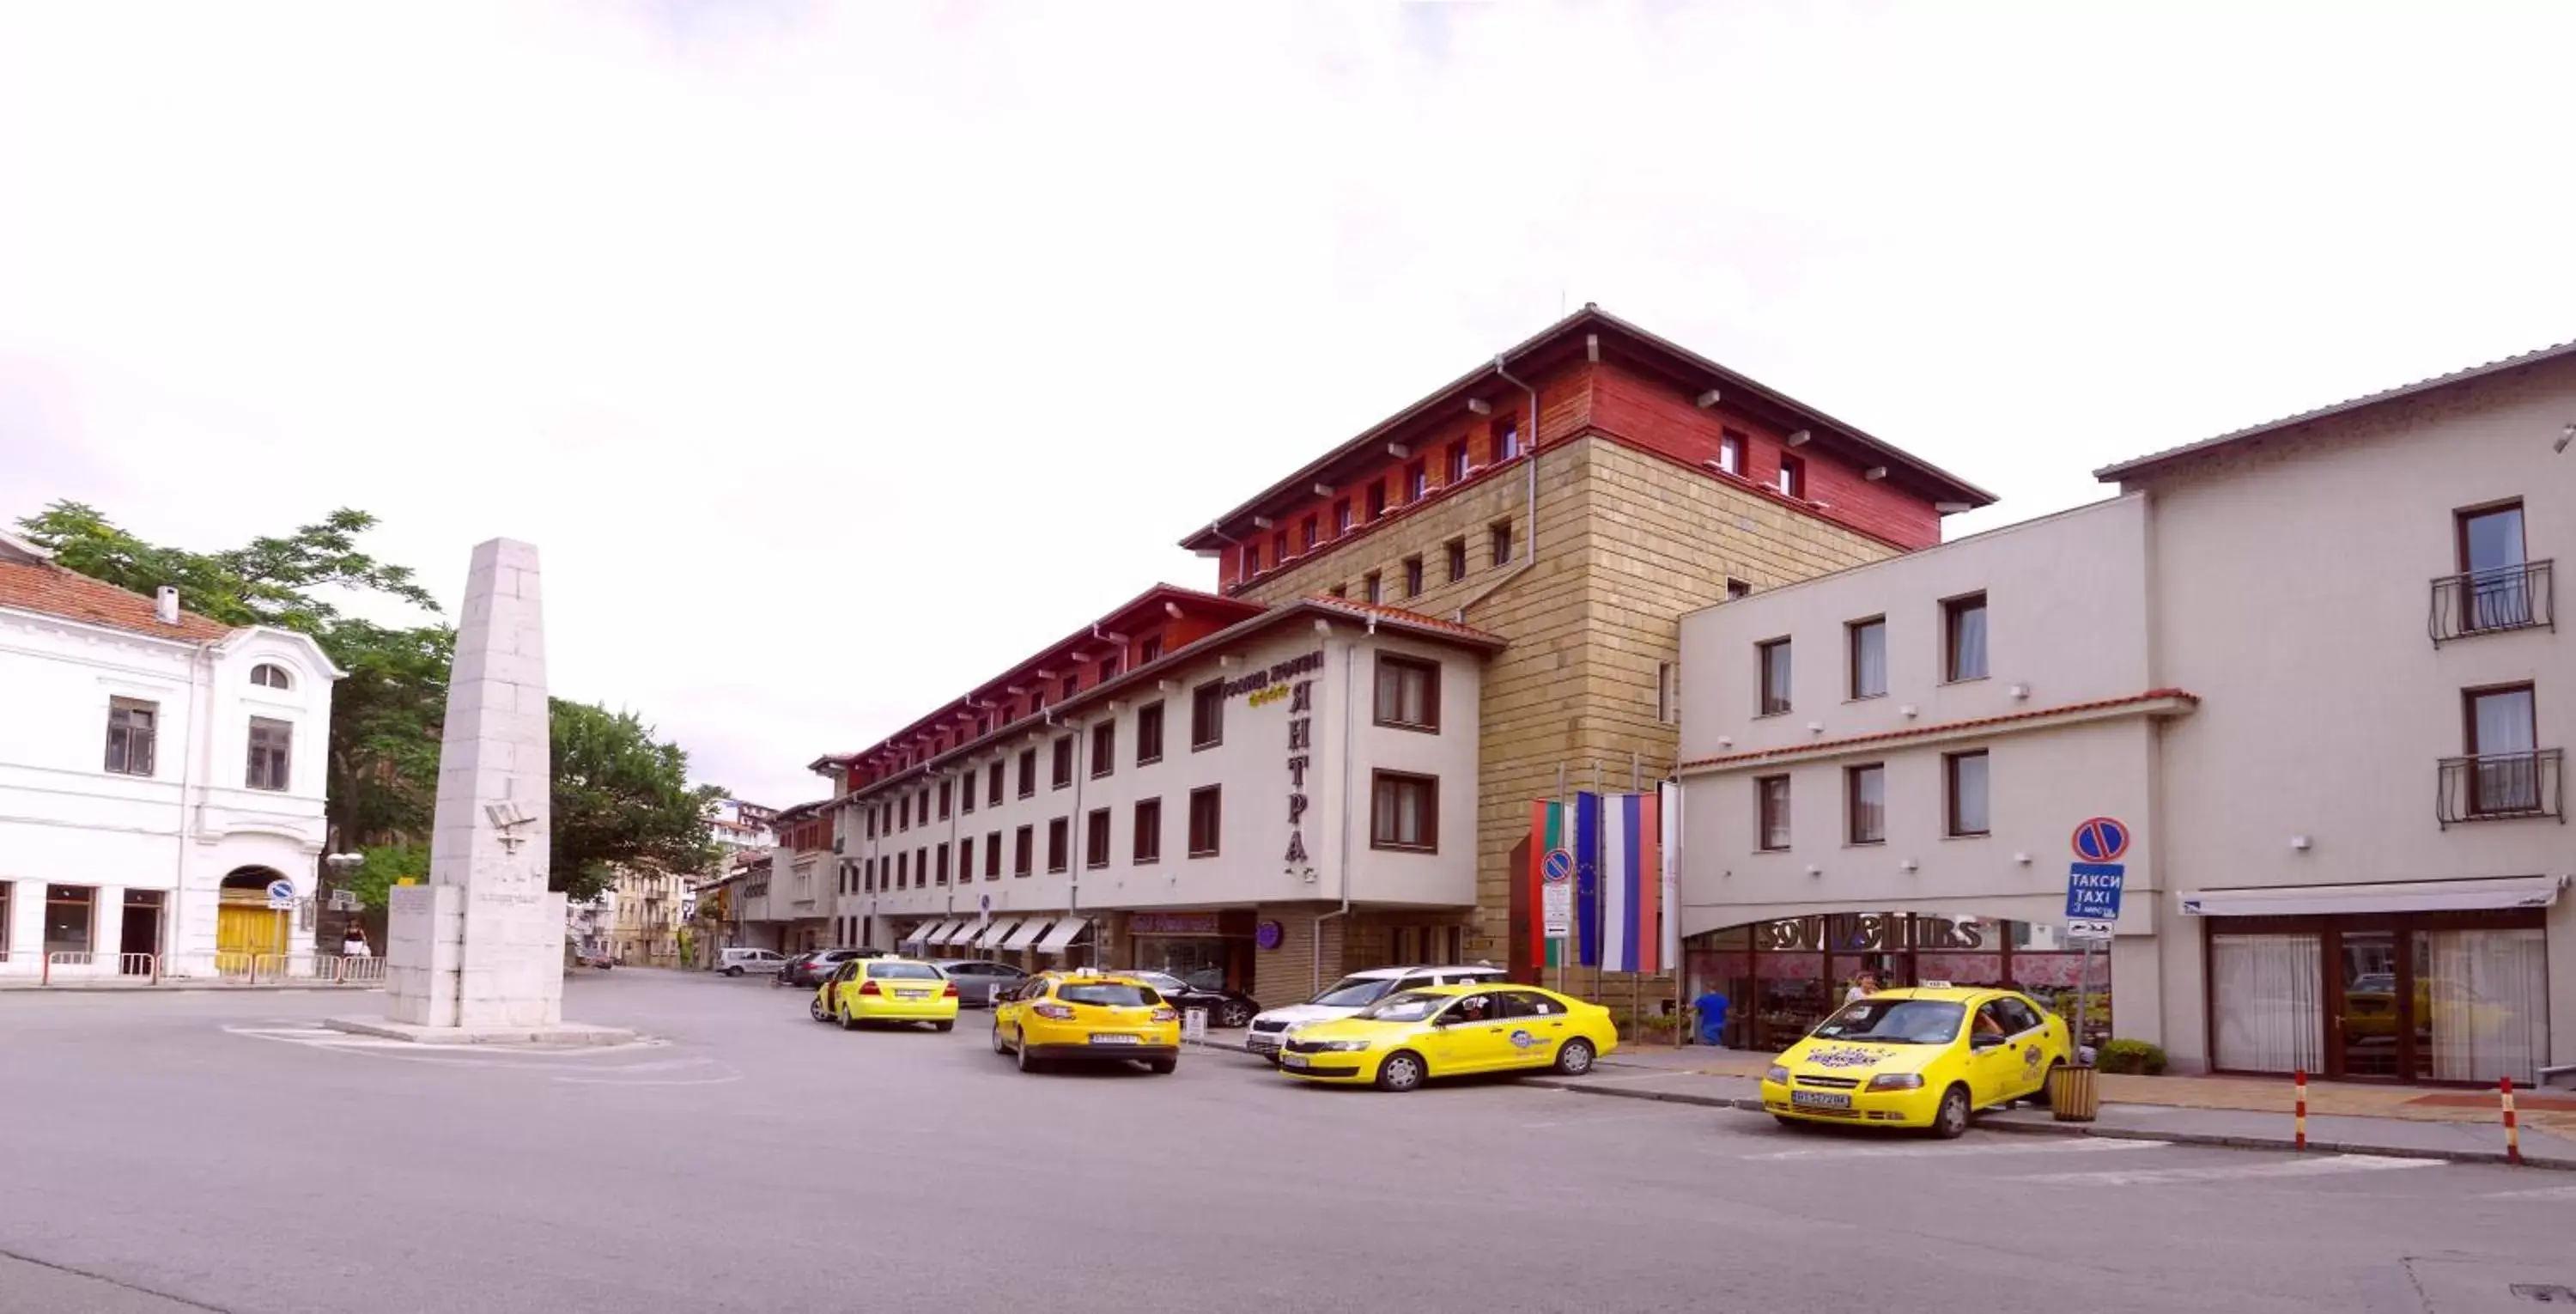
(2544, 1193)
(1979, 1149)
(2270, 1168)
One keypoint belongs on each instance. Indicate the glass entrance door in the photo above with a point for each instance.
(2372, 1023)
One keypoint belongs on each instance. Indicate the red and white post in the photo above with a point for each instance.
(2299, 1132)
(2512, 1136)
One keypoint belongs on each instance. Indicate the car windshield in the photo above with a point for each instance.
(1896, 1021)
(1354, 992)
(1411, 1006)
(1109, 994)
(907, 971)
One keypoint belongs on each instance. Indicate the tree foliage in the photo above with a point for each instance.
(621, 799)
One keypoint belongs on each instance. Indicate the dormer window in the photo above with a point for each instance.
(270, 675)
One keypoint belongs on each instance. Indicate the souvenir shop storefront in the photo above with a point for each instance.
(1780, 978)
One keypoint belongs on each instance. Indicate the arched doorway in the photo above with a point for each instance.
(1782, 977)
(245, 926)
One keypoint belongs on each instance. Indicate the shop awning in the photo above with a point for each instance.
(2410, 896)
(963, 931)
(927, 933)
(1061, 934)
(997, 932)
(1026, 935)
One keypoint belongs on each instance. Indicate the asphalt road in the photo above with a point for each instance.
(199, 1152)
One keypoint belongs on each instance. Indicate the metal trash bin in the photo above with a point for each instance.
(2073, 1096)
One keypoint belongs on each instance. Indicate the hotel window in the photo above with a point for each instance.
(921, 868)
(1342, 517)
(1071, 685)
(903, 871)
(1060, 773)
(1507, 440)
(870, 815)
(1413, 577)
(868, 876)
(1868, 657)
(68, 918)
(993, 855)
(1736, 588)
(1251, 560)
(1148, 840)
(1404, 812)
(966, 794)
(2503, 740)
(1457, 560)
(130, 735)
(1109, 668)
(943, 864)
(1372, 587)
(943, 800)
(1668, 693)
(1028, 773)
(1793, 477)
(1865, 799)
(1773, 662)
(1417, 482)
(1151, 650)
(267, 768)
(1104, 749)
(1095, 839)
(966, 860)
(1306, 535)
(268, 675)
(1964, 787)
(2491, 548)
(1023, 845)
(1408, 693)
(1457, 464)
(1149, 733)
(1499, 537)
(1278, 551)
(1730, 452)
(1059, 835)
(1772, 797)
(1341, 590)
(1963, 638)
(1206, 812)
(1207, 716)
(1376, 499)
(993, 785)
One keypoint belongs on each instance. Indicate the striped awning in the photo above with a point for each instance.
(927, 933)
(994, 934)
(1062, 934)
(1026, 935)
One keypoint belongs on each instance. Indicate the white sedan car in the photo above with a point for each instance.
(1351, 994)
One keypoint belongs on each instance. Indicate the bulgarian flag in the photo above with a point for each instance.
(1547, 835)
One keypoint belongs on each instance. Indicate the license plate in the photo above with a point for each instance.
(1293, 1060)
(1818, 1099)
(1099, 1038)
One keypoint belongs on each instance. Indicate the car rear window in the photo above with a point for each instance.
(906, 971)
(1107, 994)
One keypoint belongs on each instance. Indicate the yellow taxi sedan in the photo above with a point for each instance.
(1406, 1039)
(1924, 1058)
(1085, 1015)
(869, 990)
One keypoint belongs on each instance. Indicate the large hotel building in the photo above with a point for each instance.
(1327, 763)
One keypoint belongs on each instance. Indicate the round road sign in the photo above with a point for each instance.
(1557, 867)
(2101, 839)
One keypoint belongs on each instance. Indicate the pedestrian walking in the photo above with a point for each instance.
(354, 944)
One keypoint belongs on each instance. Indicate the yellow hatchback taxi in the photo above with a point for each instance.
(1405, 1039)
(1925, 1057)
(1087, 1015)
(869, 990)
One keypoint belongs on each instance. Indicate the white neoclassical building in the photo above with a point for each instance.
(159, 772)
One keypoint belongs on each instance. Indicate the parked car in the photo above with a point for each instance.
(811, 968)
(1924, 1057)
(980, 982)
(1412, 1036)
(599, 960)
(1225, 1008)
(1090, 1015)
(1351, 994)
(878, 988)
(756, 962)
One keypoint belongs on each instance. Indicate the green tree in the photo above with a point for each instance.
(386, 866)
(621, 799)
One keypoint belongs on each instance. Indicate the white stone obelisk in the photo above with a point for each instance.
(477, 953)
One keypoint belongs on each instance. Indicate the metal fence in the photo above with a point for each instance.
(219, 967)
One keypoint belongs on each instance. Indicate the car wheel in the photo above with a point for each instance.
(943, 1026)
(814, 1010)
(1950, 1121)
(1162, 1067)
(1401, 1071)
(1574, 1058)
(1233, 1013)
(1020, 1053)
(733, 971)
(848, 1023)
(998, 1046)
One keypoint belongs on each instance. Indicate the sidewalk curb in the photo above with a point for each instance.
(175, 989)
(2087, 1129)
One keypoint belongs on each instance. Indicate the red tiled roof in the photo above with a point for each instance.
(1364, 610)
(1946, 727)
(54, 591)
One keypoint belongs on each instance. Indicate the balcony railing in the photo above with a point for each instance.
(2503, 787)
(2492, 601)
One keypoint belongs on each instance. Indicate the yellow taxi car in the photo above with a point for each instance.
(867, 990)
(1408, 1038)
(1087, 1015)
(1921, 1057)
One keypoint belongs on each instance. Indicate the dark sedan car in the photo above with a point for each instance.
(1225, 1008)
(807, 970)
(979, 980)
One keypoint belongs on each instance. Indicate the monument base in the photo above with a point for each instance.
(558, 1033)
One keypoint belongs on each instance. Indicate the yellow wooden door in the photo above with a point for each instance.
(243, 930)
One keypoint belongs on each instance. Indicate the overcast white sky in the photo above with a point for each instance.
(836, 355)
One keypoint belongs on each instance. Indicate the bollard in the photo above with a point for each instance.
(2512, 1136)
(2299, 1137)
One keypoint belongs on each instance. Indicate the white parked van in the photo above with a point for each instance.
(756, 962)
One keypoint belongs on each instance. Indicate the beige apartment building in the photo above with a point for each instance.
(2308, 667)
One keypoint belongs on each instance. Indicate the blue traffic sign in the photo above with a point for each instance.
(2101, 839)
(2093, 890)
(1556, 867)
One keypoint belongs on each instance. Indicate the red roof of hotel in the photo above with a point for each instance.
(41, 586)
(1366, 610)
